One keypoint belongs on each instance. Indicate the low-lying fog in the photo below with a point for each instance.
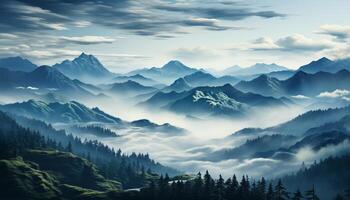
(204, 136)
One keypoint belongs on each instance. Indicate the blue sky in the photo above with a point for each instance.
(127, 34)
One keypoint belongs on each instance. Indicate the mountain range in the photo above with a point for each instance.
(43, 78)
(326, 65)
(258, 68)
(74, 112)
(137, 78)
(300, 83)
(168, 73)
(71, 112)
(85, 68)
(17, 64)
(308, 123)
(221, 100)
(129, 88)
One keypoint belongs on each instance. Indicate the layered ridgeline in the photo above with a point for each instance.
(213, 101)
(315, 131)
(72, 113)
(326, 65)
(168, 73)
(301, 83)
(42, 79)
(85, 67)
(258, 68)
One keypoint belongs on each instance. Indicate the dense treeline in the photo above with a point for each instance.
(131, 170)
(206, 188)
(94, 130)
(330, 176)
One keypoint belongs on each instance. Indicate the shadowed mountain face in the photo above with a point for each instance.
(59, 112)
(130, 88)
(43, 78)
(205, 79)
(85, 67)
(308, 123)
(166, 74)
(326, 65)
(252, 147)
(179, 85)
(300, 84)
(136, 78)
(223, 100)
(17, 64)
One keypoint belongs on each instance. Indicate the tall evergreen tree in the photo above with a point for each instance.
(262, 189)
(280, 191)
(220, 189)
(198, 187)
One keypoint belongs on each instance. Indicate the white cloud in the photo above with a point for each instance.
(81, 24)
(88, 39)
(195, 54)
(338, 93)
(300, 97)
(338, 31)
(292, 43)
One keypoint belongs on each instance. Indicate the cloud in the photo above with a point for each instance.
(338, 93)
(86, 40)
(18, 16)
(194, 54)
(151, 18)
(337, 31)
(296, 42)
(209, 24)
(300, 97)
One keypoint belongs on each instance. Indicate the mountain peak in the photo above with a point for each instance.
(175, 65)
(324, 59)
(85, 67)
(84, 55)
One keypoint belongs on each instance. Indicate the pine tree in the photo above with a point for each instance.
(220, 188)
(244, 188)
(232, 188)
(280, 191)
(262, 189)
(198, 187)
(209, 185)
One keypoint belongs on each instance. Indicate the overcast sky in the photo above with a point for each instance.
(129, 34)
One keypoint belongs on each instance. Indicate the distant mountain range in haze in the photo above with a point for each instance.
(300, 83)
(166, 74)
(258, 68)
(42, 78)
(309, 80)
(17, 64)
(326, 65)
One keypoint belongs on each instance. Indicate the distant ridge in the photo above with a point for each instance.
(17, 64)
